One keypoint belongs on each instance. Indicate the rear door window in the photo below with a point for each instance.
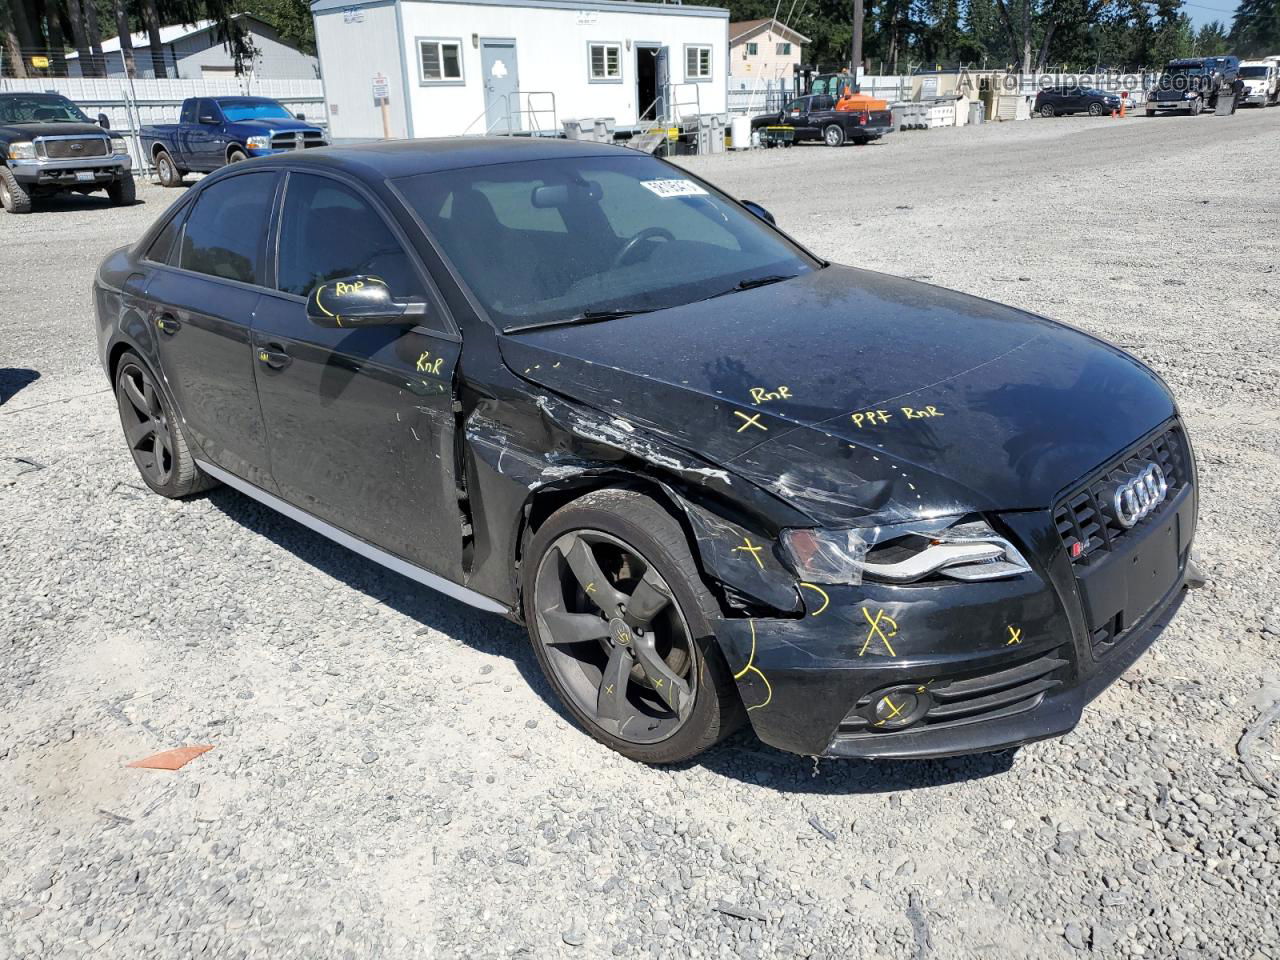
(225, 234)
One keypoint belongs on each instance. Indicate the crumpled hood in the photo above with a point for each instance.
(857, 396)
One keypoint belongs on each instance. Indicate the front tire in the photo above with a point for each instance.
(833, 135)
(13, 195)
(123, 192)
(618, 617)
(1196, 106)
(1096, 109)
(236, 155)
(153, 433)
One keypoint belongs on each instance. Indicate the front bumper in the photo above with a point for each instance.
(72, 172)
(1168, 104)
(975, 666)
(1259, 98)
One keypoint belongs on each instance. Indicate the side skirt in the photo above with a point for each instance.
(367, 550)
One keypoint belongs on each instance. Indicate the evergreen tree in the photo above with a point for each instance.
(1255, 31)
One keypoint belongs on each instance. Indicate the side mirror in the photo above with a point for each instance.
(300, 116)
(759, 211)
(104, 122)
(359, 301)
(207, 119)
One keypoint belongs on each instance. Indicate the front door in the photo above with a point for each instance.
(203, 312)
(360, 423)
(501, 86)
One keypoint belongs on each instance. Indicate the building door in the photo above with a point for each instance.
(647, 81)
(664, 81)
(501, 86)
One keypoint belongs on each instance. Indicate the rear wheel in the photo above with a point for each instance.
(124, 191)
(1047, 110)
(833, 135)
(13, 195)
(152, 432)
(618, 618)
(167, 171)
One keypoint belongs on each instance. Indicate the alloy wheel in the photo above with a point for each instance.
(146, 425)
(615, 636)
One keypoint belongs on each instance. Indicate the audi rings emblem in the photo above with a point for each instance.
(1137, 497)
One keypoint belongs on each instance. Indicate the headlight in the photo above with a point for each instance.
(118, 146)
(258, 143)
(24, 150)
(961, 548)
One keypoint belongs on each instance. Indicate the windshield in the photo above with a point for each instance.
(552, 240)
(40, 108)
(1253, 71)
(235, 110)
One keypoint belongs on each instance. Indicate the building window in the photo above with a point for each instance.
(605, 62)
(439, 61)
(753, 49)
(784, 49)
(697, 63)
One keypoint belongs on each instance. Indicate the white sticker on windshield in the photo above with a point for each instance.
(674, 188)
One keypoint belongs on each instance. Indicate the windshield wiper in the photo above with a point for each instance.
(752, 282)
(587, 316)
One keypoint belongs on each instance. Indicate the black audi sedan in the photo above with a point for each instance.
(716, 477)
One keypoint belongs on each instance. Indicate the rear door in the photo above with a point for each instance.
(203, 302)
(360, 422)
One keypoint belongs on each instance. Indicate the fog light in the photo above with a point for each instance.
(899, 707)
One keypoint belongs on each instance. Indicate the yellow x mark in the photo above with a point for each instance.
(1015, 636)
(875, 630)
(751, 421)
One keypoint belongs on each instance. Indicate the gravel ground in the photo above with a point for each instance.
(390, 777)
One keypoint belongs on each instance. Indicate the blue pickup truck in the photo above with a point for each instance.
(214, 131)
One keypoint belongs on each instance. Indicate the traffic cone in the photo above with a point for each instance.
(1121, 109)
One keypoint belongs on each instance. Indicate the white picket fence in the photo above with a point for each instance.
(130, 105)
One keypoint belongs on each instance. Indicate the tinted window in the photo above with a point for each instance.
(328, 231)
(162, 246)
(188, 112)
(551, 239)
(225, 232)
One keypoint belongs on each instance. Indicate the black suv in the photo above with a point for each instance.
(1054, 101)
(48, 145)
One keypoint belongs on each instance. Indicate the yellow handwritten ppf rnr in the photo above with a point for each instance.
(751, 548)
(880, 627)
(1015, 636)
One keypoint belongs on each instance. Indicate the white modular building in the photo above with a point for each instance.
(429, 68)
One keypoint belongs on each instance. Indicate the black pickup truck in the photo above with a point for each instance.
(48, 145)
(815, 117)
(1194, 84)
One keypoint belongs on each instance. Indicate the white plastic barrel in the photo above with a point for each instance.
(740, 128)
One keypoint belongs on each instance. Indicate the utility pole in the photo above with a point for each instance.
(859, 11)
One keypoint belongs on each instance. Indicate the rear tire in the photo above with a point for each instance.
(833, 135)
(153, 433)
(13, 195)
(123, 192)
(625, 540)
(167, 171)
(1048, 111)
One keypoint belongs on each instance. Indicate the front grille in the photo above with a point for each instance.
(72, 148)
(292, 141)
(1086, 516)
(987, 696)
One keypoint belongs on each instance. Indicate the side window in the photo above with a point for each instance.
(224, 234)
(327, 230)
(188, 112)
(795, 106)
(161, 248)
(823, 103)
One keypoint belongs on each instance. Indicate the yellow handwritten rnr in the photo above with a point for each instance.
(760, 394)
(427, 365)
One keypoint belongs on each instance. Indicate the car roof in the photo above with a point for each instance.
(33, 95)
(392, 159)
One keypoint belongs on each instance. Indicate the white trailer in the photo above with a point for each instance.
(429, 68)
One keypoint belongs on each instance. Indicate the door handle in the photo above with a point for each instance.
(168, 324)
(273, 356)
